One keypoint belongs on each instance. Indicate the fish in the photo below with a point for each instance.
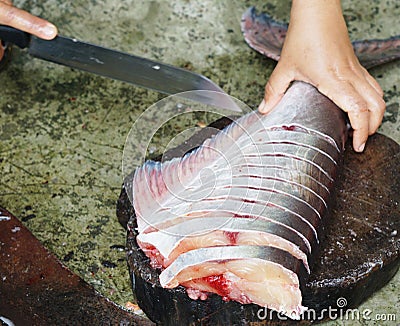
(242, 216)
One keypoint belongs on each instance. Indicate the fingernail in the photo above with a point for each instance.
(361, 148)
(261, 106)
(50, 31)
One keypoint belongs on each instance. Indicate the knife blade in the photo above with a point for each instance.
(121, 66)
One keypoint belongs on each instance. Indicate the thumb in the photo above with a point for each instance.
(276, 87)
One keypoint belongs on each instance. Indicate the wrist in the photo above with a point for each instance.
(316, 8)
(312, 16)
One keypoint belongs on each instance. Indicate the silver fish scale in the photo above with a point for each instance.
(217, 254)
(171, 236)
(299, 138)
(278, 169)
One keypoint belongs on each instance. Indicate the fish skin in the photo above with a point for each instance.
(169, 239)
(220, 255)
(266, 36)
(256, 210)
(326, 121)
(302, 139)
(166, 194)
(227, 253)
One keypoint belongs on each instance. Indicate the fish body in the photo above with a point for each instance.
(241, 216)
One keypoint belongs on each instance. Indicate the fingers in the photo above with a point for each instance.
(276, 87)
(362, 100)
(371, 80)
(26, 22)
(359, 120)
(375, 105)
(356, 92)
(7, 2)
(375, 99)
(344, 95)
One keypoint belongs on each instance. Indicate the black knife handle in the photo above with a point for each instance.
(6, 55)
(15, 36)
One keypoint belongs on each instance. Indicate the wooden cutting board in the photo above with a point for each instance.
(359, 255)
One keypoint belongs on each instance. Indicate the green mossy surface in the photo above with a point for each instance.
(62, 131)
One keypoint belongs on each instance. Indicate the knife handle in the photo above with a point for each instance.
(15, 36)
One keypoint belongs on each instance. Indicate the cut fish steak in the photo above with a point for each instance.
(241, 216)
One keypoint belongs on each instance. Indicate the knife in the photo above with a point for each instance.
(121, 66)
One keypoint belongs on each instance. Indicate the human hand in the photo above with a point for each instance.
(22, 20)
(317, 50)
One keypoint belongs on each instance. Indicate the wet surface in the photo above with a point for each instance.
(62, 132)
(36, 289)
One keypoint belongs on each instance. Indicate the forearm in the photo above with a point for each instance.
(325, 8)
(320, 22)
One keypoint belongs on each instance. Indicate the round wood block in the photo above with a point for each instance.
(359, 255)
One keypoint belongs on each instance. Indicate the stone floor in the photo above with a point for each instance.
(62, 132)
